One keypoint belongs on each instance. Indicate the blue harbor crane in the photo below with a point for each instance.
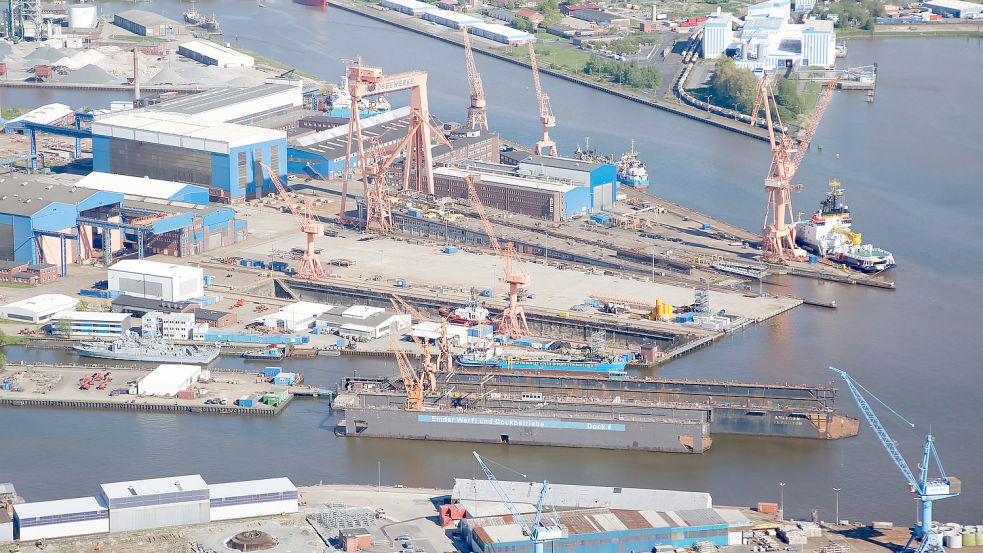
(537, 532)
(927, 489)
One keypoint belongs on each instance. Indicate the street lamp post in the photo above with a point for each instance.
(837, 492)
(781, 501)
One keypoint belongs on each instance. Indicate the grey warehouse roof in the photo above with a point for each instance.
(154, 486)
(334, 315)
(209, 314)
(251, 487)
(193, 104)
(575, 496)
(562, 162)
(147, 19)
(30, 194)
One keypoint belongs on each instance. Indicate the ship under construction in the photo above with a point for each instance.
(647, 414)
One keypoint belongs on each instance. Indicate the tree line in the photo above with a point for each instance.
(736, 88)
(624, 72)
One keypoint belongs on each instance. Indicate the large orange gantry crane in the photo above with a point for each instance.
(778, 232)
(366, 81)
(544, 146)
(513, 321)
(310, 267)
(444, 362)
(477, 112)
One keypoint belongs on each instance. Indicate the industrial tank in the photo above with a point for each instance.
(83, 16)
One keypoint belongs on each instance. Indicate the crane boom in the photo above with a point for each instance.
(477, 112)
(516, 515)
(310, 225)
(545, 146)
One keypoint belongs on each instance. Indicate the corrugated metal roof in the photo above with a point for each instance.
(90, 316)
(44, 303)
(59, 507)
(28, 194)
(251, 487)
(154, 268)
(733, 517)
(675, 520)
(154, 486)
(125, 184)
(182, 126)
(609, 522)
(505, 533)
(701, 517)
(575, 496)
(219, 53)
(633, 520)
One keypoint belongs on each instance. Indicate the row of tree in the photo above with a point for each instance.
(737, 88)
(624, 72)
(853, 13)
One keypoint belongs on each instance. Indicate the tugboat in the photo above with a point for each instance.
(271, 353)
(192, 16)
(828, 233)
(210, 23)
(631, 170)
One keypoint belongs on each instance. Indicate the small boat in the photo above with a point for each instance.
(192, 16)
(269, 354)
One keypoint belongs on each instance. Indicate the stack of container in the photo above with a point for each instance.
(275, 398)
(792, 535)
(246, 401)
(284, 379)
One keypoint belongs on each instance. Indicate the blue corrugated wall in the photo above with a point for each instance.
(100, 154)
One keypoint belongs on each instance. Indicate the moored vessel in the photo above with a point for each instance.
(131, 347)
(192, 16)
(320, 3)
(631, 170)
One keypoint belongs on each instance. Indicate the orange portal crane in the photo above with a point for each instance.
(513, 321)
(545, 146)
(401, 307)
(378, 211)
(411, 380)
(477, 113)
(310, 267)
(366, 81)
(778, 232)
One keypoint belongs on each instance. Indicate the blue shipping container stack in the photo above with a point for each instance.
(270, 372)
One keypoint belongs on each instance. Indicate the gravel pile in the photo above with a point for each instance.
(90, 74)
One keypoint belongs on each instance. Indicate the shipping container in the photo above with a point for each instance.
(270, 372)
(450, 249)
(209, 279)
(246, 401)
(284, 379)
(417, 213)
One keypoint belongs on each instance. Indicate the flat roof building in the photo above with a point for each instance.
(139, 306)
(600, 178)
(296, 316)
(409, 7)
(602, 19)
(953, 8)
(146, 23)
(168, 380)
(324, 152)
(171, 146)
(362, 322)
(454, 20)
(253, 498)
(525, 495)
(501, 33)
(144, 187)
(38, 309)
(244, 106)
(553, 200)
(156, 503)
(90, 324)
(60, 518)
(159, 281)
(210, 53)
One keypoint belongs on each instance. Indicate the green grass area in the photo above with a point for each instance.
(13, 285)
(810, 95)
(556, 56)
(138, 39)
(8, 113)
(262, 60)
(543, 35)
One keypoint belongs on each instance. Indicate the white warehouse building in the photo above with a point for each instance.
(294, 317)
(158, 281)
(454, 20)
(156, 503)
(210, 53)
(38, 309)
(409, 7)
(168, 380)
(253, 498)
(60, 518)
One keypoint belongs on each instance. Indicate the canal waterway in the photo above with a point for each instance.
(910, 163)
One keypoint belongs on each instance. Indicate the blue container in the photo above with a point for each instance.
(480, 331)
(450, 249)
(707, 227)
(246, 401)
(813, 259)
(278, 265)
(209, 279)
(414, 213)
(284, 379)
(341, 342)
(270, 372)
(400, 283)
(685, 317)
(601, 218)
(486, 293)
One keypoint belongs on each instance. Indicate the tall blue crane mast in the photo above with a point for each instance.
(537, 532)
(927, 489)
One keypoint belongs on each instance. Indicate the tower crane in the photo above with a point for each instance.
(545, 146)
(925, 488)
(537, 532)
(513, 321)
(477, 113)
(310, 267)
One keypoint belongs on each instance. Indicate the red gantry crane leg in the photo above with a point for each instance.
(310, 267)
(513, 321)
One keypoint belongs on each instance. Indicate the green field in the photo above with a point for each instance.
(556, 56)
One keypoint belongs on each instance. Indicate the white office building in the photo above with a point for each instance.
(294, 317)
(362, 322)
(94, 324)
(159, 281)
(718, 34)
(150, 324)
(177, 326)
(818, 43)
(156, 503)
(63, 517)
(38, 309)
(253, 498)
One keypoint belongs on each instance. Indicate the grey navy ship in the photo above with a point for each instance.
(131, 347)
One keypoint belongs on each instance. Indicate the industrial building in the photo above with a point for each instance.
(144, 187)
(168, 380)
(156, 503)
(454, 20)
(6, 526)
(481, 498)
(90, 324)
(245, 106)
(139, 307)
(146, 23)
(553, 200)
(601, 179)
(294, 317)
(323, 153)
(210, 53)
(409, 7)
(953, 8)
(158, 281)
(60, 518)
(501, 33)
(253, 498)
(226, 157)
(362, 322)
(18, 272)
(42, 221)
(433, 331)
(602, 19)
(38, 309)
(603, 530)
(177, 326)
(215, 318)
(766, 39)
